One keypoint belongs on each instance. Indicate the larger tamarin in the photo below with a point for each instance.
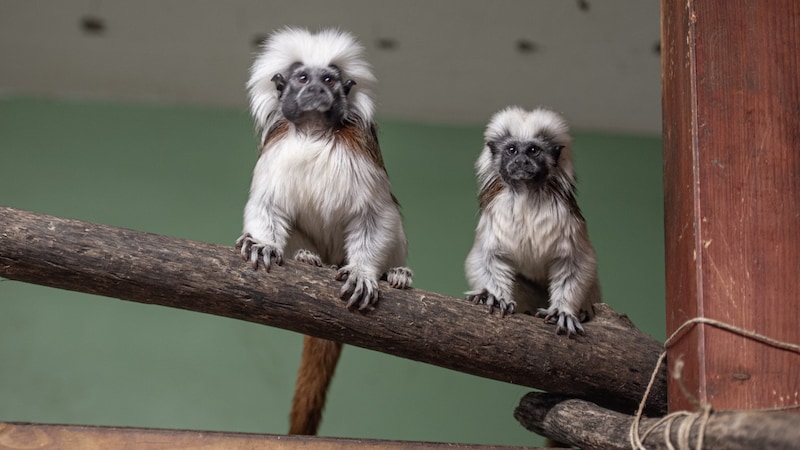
(320, 190)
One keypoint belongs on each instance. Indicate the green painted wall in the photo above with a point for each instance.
(75, 358)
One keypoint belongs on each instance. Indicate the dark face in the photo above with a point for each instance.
(525, 163)
(313, 95)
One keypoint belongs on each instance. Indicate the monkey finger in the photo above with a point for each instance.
(352, 302)
(547, 315)
(491, 301)
(238, 245)
(363, 296)
(254, 254)
(568, 328)
(267, 259)
(343, 274)
(476, 298)
(577, 327)
(346, 293)
(507, 308)
(481, 297)
(269, 255)
(358, 292)
(561, 325)
(569, 323)
(369, 299)
(244, 244)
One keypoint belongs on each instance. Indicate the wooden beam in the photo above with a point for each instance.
(611, 365)
(589, 427)
(731, 129)
(18, 436)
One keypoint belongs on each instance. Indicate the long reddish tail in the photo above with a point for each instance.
(317, 366)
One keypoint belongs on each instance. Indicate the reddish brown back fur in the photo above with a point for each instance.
(275, 134)
(487, 195)
(361, 141)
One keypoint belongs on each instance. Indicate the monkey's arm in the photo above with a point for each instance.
(374, 239)
(573, 288)
(490, 275)
(265, 230)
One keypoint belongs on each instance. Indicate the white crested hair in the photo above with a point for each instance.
(524, 125)
(292, 45)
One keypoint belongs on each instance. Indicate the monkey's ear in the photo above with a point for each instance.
(492, 146)
(280, 82)
(557, 151)
(347, 86)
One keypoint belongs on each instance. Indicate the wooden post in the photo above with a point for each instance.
(731, 123)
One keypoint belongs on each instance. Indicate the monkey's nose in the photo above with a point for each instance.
(521, 162)
(314, 89)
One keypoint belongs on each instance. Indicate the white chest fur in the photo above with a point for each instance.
(530, 230)
(307, 176)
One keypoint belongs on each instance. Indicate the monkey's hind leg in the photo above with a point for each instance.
(399, 277)
(308, 257)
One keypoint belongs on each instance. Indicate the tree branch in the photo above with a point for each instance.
(590, 427)
(611, 365)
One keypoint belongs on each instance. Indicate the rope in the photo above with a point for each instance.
(704, 410)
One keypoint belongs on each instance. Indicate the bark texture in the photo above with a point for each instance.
(610, 366)
(591, 427)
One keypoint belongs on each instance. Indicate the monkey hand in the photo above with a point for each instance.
(255, 251)
(359, 289)
(491, 301)
(565, 322)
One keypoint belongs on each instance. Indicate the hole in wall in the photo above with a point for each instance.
(386, 43)
(526, 46)
(92, 25)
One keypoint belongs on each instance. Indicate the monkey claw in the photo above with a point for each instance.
(565, 322)
(491, 301)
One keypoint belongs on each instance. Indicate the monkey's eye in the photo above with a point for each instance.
(327, 79)
(534, 150)
(302, 77)
(511, 150)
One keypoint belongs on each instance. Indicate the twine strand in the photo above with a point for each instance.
(702, 416)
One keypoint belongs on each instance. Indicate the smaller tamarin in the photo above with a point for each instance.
(320, 190)
(531, 243)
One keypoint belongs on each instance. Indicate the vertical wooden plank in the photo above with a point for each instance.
(731, 123)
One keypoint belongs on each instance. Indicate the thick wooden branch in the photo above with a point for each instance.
(590, 427)
(611, 365)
